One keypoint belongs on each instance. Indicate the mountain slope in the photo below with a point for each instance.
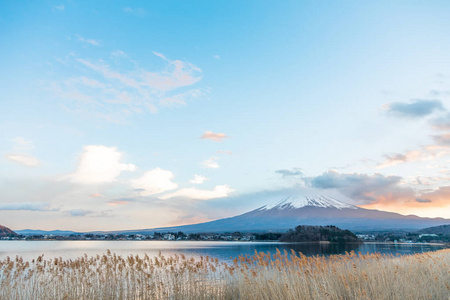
(443, 229)
(6, 232)
(308, 209)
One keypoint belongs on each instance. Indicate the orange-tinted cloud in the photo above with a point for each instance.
(117, 202)
(437, 198)
(426, 153)
(390, 193)
(95, 195)
(217, 137)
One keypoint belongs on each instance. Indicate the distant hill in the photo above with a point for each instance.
(319, 234)
(46, 232)
(443, 229)
(6, 232)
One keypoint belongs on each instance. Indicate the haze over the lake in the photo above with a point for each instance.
(125, 115)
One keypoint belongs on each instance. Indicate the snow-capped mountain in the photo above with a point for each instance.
(317, 200)
(308, 208)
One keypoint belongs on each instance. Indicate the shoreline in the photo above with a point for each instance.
(209, 241)
(392, 243)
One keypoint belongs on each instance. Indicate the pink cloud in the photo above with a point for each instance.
(217, 137)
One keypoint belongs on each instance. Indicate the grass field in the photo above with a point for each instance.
(261, 276)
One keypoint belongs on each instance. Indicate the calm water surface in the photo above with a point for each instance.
(224, 251)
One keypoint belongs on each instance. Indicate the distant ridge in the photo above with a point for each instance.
(443, 229)
(46, 232)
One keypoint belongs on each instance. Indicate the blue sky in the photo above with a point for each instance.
(137, 114)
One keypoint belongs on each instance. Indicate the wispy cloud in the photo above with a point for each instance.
(178, 74)
(395, 159)
(416, 109)
(216, 56)
(96, 195)
(118, 53)
(442, 123)
(91, 42)
(22, 144)
(425, 153)
(32, 206)
(211, 163)
(58, 7)
(420, 200)
(442, 140)
(213, 136)
(224, 152)
(140, 12)
(182, 98)
(23, 159)
(114, 92)
(108, 73)
(88, 213)
(118, 202)
(80, 212)
(289, 173)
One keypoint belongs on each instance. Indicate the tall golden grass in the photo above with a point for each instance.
(261, 276)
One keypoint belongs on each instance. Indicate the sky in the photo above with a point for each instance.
(142, 114)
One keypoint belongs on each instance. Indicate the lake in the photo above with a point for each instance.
(224, 251)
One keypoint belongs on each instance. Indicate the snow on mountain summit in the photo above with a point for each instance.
(299, 201)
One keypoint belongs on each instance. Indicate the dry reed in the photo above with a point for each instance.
(261, 276)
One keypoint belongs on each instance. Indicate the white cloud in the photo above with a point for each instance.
(118, 53)
(217, 137)
(211, 163)
(23, 159)
(99, 164)
(159, 55)
(198, 179)
(88, 41)
(22, 144)
(153, 182)
(219, 191)
(216, 56)
(140, 12)
(59, 7)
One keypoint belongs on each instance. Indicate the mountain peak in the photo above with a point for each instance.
(303, 200)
